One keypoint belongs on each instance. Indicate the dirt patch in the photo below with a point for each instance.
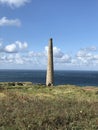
(43, 95)
(2, 95)
(91, 89)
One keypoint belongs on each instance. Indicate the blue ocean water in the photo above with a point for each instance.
(81, 78)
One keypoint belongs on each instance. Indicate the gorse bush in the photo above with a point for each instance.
(41, 108)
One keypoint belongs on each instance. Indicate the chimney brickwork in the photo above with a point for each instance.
(50, 66)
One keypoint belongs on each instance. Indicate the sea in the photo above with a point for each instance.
(61, 77)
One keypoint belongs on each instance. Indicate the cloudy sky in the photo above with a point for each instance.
(27, 25)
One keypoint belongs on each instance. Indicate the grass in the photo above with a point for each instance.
(35, 107)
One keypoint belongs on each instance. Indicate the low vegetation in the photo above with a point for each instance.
(35, 107)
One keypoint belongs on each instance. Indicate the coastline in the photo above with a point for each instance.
(78, 78)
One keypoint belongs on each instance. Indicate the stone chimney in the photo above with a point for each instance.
(50, 68)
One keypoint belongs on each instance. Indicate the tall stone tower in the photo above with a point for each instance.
(50, 68)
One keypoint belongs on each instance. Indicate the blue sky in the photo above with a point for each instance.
(27, 25)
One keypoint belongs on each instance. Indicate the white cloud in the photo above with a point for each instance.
(95, 57)
(36, 54)
(10, 58)
(9, 22)
(57, 52)
(15, 47)
(14, 3)
(19, 59)
(2, 57)
(87, 56)
(21, 45)
(31, 53)
(0, 44)
(12, 55)
(92, 48)
(66, 59)
(10, 48)
(15, 58)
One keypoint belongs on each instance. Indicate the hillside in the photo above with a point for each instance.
(35, 107)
